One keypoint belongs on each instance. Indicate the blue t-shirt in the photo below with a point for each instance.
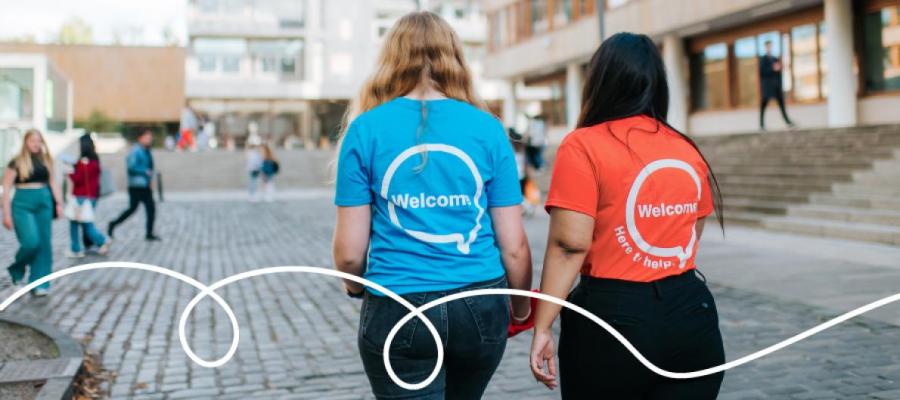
(431, 188)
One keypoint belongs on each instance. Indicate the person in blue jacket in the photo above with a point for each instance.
(140, 176)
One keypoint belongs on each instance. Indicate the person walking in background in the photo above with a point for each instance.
(421, 94)
(268, 169)
(624, 159)
(254, 160)
(140, 176)
(537, 141)
(770, 69)
(187, 128)
(85, 179)
(31, 211)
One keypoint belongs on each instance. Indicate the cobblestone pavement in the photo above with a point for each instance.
(298, 337)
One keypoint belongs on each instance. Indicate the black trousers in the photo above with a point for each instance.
(136, 196)
(673, 322)
(778, 95)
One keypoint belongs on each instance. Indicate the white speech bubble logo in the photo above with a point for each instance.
(683, 253)
(463, 242)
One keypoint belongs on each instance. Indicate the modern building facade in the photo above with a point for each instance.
(468, 19)
(281, 70)
(841, 57)
(33, 94)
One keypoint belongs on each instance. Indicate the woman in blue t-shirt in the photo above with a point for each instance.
(429, 205)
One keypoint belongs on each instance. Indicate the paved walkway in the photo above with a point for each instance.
(298, 337)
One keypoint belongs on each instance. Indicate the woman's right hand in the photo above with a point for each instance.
(7, 221)
(543, 352)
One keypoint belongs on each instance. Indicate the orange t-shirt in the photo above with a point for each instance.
(645, 197)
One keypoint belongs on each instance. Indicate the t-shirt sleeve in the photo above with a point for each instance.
(574, 184)
(503, 189)
(705, 207)
(352, 186)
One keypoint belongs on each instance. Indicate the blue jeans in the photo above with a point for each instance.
(90, 230)
(471, 354)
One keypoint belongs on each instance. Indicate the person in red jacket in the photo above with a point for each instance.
(86, 187)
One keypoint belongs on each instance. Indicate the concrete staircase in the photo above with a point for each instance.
(223, 170)
(842, 183)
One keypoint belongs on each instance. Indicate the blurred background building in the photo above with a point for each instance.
(56, 88)
(841, 57)
(285, 70)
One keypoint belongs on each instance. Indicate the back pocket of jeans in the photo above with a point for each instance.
(491, 316)
(380, 314)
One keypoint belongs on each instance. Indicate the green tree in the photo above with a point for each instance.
(75, 30)
(99, 122)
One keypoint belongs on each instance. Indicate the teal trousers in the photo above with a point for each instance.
(32, 214)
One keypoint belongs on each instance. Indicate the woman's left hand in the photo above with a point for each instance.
(59, 210)
(543, 351)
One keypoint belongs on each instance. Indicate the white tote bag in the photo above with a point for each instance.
(83, 212)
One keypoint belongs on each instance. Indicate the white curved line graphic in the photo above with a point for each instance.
(417, 313)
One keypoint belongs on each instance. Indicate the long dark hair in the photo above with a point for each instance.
(626, 77)
(87, 147)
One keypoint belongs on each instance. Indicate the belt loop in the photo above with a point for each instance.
(657, 290)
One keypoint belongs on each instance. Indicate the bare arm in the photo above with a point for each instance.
(8, 178)
(569, 240)
(351, 242)
(698, 227)
(516, 254)
(56, 192)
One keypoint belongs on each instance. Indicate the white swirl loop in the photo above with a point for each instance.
(414, 312)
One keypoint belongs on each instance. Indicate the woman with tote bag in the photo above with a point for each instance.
(80, 207)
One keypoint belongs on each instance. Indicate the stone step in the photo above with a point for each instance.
(742, 205)
(742, 218)
(768, 196)
(808, 164)
(836, 229)
(835, 173)
(798, 183)
(847, 214)
(877, 190)
(873, 178)
(856, 200)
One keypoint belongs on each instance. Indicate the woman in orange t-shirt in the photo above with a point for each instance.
(627, 202)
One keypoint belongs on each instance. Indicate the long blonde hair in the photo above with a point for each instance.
(421, 46)
(22, 162)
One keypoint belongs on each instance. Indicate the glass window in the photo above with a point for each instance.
(747, 69)
(773, 37)
(562, 13)
(882, 49)
(787, 79)
(805, 62)
(823, 66)
(231, 64)
(715, 75)
(207, 63)
(288, 65)
(539, 21)
(288, 13)
(219, 46)
(283, 56)
(268, 63)
(499, 29)
(16, 93)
